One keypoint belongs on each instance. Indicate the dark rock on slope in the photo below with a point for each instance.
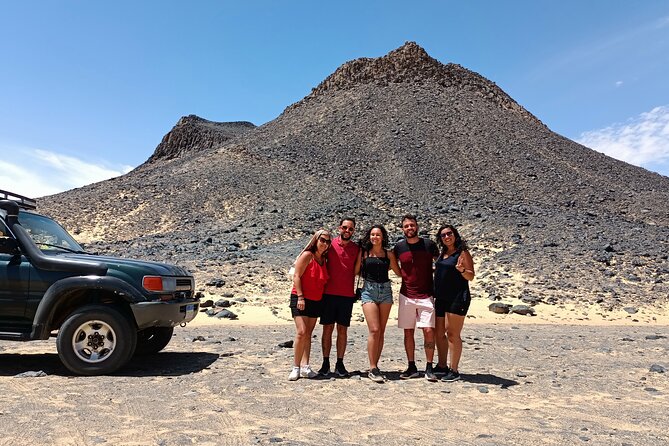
(546, 217)
(194, 134)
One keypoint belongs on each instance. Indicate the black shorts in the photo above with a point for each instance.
(458, 304)
(312, 308)
(337, 309)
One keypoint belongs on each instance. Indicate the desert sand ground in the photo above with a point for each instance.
(566, 376)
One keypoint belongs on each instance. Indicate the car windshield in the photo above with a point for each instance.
(47, 234)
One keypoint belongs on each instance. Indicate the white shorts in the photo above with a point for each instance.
(415, 313)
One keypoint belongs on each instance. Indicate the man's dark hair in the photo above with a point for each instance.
(408, 217)
(347, 218)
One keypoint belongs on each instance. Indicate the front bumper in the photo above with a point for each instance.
(164, 314)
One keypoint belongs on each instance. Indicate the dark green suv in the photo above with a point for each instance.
(104, 309)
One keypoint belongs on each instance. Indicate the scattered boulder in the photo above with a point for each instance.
(216, 282)
(31, 374)
(525, 310)
(499, 308)
(655, 337)
(657, 368)
(226, 314)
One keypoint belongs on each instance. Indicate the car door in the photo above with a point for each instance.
(14, 288)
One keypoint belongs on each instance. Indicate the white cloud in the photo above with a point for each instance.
(642, 140)
(662, 22)
(37, 172)
(619, 83)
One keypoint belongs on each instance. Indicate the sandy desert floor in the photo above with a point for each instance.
(567, 376)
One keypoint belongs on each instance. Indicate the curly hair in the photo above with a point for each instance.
(366, 244)
(460, 243)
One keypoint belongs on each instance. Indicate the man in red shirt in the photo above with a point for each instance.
(416, 301)
(339, 295)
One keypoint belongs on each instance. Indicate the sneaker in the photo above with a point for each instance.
(439, 370)
(375, 375)
(325, 368)
(451, 376)
(430, 376)
(306, 372)
(411, 372)
(340, 370)
(294, 374)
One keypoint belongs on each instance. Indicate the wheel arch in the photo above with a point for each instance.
(65, 296)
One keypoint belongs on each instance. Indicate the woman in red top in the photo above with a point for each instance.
(309, 281)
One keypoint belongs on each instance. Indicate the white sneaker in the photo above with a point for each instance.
(294, 374)
(306, 372)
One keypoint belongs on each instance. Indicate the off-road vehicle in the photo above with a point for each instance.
(103, 310)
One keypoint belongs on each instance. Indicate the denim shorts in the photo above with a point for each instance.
(378, 293)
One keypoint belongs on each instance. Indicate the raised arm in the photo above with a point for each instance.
(465, 265)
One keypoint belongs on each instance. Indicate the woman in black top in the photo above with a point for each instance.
(453, 271)
(374, 261)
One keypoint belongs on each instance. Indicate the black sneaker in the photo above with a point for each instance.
(340, 370)
(375, 375)
(411, 372)
(325, 368)
(451, 376)
(430, 376)
(439, 370)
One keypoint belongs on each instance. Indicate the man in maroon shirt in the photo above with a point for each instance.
(339, 295)
(416, 301)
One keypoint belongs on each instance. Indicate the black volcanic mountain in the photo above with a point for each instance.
(548, 219)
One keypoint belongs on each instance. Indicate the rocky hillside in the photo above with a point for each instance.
(548, 219)
(194, 134)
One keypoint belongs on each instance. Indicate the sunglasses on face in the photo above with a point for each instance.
(327, 241)
(446, 234)
(347, 228)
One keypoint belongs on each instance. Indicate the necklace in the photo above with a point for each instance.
(375, 254)
(448, 254)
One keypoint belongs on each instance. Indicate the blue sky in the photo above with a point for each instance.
(88, 89)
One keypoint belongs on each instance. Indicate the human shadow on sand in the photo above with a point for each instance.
(478, 378)
(160, 364)
(487, 378)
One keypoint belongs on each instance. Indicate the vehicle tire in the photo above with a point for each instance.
(153, 339)
(96, 340)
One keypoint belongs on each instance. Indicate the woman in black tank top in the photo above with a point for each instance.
(372, 265)
(454, 270)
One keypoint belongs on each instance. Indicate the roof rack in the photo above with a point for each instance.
(23, 202)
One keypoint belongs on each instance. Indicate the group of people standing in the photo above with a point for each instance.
(434, 296)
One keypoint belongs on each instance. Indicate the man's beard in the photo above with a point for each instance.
(346, 235)
(410, 233)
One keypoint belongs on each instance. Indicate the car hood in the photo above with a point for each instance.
(121, 264)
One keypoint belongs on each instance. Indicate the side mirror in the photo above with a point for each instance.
(8, 245)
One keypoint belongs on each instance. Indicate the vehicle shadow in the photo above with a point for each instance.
(160, 364)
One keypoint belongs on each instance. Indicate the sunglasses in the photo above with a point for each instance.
(446, 234)
(327, 241)
(347, 228)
